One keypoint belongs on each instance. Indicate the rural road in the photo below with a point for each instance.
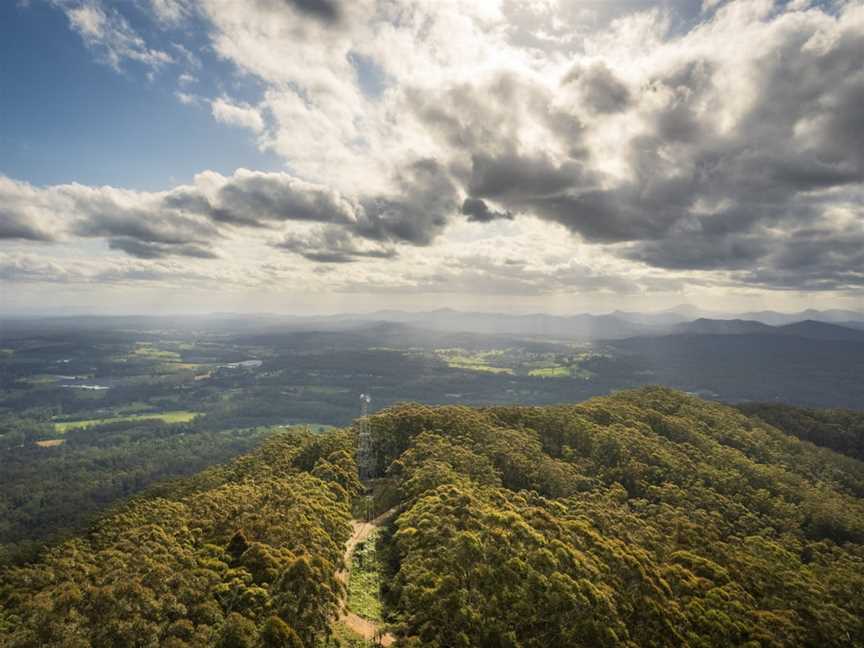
(363, 627)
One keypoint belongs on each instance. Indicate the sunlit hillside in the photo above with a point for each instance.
(647, 518)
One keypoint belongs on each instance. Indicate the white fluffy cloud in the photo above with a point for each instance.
(716, 149)
(108, 33)
(651, 150)
(241, 115)
(171, 12)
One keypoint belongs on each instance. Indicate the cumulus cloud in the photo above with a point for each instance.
(417, 212)
(140, 223)
(333, 245)
(601, 91)
(254, 198)
(721, 143)
(190, 219)
(154, 250)
(107, 32)
(729, 141)
(327, 10)
(241, 115)
(15, 226)
(479, 212)
(23, 213)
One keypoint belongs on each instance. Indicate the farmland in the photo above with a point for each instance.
(178, 416)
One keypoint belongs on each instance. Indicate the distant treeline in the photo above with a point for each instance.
(840, 430)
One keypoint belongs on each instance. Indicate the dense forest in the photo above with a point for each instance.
(240, 555)
(838, 429)
(49, 490)
(647, 518)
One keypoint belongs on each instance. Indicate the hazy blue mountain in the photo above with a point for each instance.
(703, 326)
(775, 318)
(821, 331)
(538, 324)
(619, 324)
(777, 367)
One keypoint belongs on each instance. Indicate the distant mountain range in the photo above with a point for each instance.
(808, 329)
(823, 325)
(681, 320)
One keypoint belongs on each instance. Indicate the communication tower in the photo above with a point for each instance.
(365, 449)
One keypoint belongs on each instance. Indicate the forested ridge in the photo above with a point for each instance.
(48, 493)
(223, 558)
(647, 518)
(839, 429)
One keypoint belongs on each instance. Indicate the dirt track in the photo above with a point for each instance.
(363, 627)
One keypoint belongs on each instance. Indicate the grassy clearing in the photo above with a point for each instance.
(476, 366)
(50, 443)
(343, 637)
(177, 416)
(149, 351)
(363, 584)
(311, 426)
(462, 359)
(550, 372)
(573, 371)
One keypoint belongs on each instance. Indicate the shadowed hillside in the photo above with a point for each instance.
(840, 430)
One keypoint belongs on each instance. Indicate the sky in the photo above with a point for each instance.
(319, 156)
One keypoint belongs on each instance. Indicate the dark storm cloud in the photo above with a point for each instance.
(187, 199)
(816, 259)
(332, 245)
(748, 164)
(187, 220)
(17, 226)
(324, 10)
(479, 212)
(517, 177)
(426, 198)
(150, 250)
(251, 199)
(487, 116)
(702, 194)
(694, 253)
(144, 225)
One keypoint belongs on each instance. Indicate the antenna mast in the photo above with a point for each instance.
(365, 451)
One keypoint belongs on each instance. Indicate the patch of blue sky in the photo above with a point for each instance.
(371, 77)
(65, 117)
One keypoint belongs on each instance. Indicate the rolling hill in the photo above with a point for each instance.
(813, 330)
(647, 518)
(807, 329)
(704, 326)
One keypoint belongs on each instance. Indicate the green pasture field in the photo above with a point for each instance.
(176, 416)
